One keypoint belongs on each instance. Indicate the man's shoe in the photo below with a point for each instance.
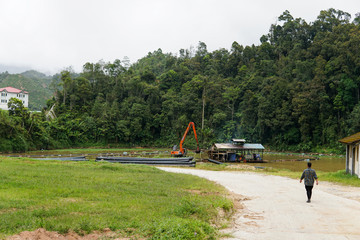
(308, 201)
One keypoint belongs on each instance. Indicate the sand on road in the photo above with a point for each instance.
(275, 207)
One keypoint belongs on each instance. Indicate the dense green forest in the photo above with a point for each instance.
(297, 90)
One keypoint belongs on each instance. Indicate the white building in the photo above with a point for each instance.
(352, 153)
(9, 92)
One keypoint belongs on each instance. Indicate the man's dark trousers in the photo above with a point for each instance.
(308, 191)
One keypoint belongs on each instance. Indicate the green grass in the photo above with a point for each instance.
(86, 196)
(213, 167)
(339, 177)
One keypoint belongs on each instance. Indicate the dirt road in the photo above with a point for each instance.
(275, 207)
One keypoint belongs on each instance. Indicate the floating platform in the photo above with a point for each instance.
(236, 151)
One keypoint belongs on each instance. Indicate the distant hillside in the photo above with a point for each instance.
(36, 83)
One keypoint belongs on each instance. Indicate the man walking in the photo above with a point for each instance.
(309, 174)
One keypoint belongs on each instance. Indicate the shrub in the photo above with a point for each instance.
(178, 228)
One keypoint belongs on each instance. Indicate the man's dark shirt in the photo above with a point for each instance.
(309, 174)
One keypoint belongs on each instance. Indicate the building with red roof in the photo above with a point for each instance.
(7, 93)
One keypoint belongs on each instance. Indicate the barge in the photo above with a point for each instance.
(237, 151)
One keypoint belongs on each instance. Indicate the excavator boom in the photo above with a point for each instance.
(181, 152)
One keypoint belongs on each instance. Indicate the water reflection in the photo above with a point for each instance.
(297, 162)
(275, 160)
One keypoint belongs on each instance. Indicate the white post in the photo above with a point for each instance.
(353, 154)
(347, 159)
(358, 159)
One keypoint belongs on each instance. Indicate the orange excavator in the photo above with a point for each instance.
(182, 151)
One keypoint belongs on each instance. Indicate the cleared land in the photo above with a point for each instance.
(127, 200)
(274, 207)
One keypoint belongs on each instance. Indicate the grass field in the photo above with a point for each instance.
(85, 196)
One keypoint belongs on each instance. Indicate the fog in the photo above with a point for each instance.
(49, 36)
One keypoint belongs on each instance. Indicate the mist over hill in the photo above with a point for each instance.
(13, 69)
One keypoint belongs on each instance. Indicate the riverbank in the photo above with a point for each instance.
(329, 167)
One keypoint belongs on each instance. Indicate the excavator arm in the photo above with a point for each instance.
(181, 152)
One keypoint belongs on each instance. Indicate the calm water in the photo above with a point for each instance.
(275, 160)
(289, 161)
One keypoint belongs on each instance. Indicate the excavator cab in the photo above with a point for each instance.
(182, 151)
(177, 153)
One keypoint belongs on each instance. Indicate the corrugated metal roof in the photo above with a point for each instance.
(12, 90)
(351, 139)
(246, 146)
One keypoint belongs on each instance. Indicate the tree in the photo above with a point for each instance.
(66, 83)
(356, 20)
(17, 110)
(328, 19)
(299, 87)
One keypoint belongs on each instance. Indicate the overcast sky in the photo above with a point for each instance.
(50, 35)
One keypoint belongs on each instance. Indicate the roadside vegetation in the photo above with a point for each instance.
(339, 177)
(130, 200)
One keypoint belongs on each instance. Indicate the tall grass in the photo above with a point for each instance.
(341, 177)
(87, 196)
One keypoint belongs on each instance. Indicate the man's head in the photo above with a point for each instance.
(309, 164)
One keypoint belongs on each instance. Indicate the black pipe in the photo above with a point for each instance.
(214, 161)
(145, 159)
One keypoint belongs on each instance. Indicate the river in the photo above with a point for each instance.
(297, 162)
(290, 161)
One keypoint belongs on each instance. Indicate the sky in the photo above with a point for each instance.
(52, 35)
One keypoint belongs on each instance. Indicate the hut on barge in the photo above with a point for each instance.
(237, 151)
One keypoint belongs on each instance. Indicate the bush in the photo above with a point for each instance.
(19, 144)
(178, 228)
(5, 145)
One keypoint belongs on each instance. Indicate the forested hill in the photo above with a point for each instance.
(36, 83)
(298, 90)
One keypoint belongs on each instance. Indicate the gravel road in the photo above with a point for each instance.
(275, 207)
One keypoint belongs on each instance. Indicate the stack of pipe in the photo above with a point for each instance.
(77, 159)
(185, 161)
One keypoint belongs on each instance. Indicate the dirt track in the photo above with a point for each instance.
(276, 208)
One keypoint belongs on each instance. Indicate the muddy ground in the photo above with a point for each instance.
(42, 234)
